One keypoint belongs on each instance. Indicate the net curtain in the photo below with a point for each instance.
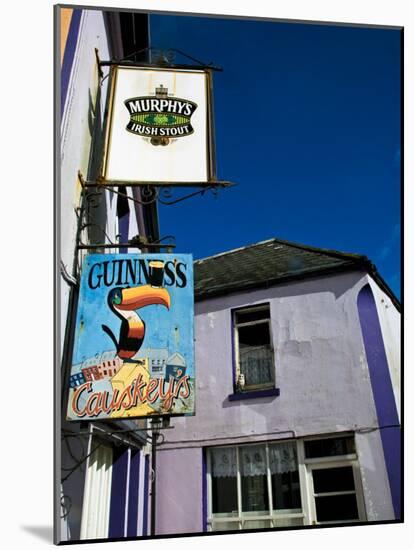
(282, 459)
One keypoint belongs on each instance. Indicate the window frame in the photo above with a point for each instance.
(325, 465)
(306, 486)
(236, 354)
(239, 520)
(334, 461)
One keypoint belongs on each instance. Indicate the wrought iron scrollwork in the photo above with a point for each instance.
(93, 198)
(90, 224)
(149, 194)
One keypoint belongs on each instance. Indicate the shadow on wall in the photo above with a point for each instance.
(337, 285)
(97, 209)
(262, 400)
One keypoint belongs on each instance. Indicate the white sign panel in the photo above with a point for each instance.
(158, 128)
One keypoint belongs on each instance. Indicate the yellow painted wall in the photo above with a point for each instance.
(65, 19)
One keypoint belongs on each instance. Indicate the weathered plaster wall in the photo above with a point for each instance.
(179, 491)
(321, 371)
(319, 361)
(377, 494)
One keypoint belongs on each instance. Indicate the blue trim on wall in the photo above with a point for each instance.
(254, 394)
(233, 346)
(233, 350)
(69, 56)
(146, 497)
(382, 390)
(132, 527)
(204, 488)
(118, 493)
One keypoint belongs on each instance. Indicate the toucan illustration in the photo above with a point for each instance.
(123, 302)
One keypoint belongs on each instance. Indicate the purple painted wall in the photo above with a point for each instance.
(178, 474)
(383, 392)
(324, 382)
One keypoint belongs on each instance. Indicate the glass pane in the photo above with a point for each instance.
(255, 354)
(254, 335)
(330, 480)
(335, 446)
(224, 494)
(286, 491)
(247, 316)
(254, 494)
(336, 508)
(254, 478)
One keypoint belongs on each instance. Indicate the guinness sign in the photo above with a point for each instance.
(133, 353)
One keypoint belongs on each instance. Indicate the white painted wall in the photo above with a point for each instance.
(390, 321)
(76, 135)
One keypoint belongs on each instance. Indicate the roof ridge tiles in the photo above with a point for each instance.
(325, 251)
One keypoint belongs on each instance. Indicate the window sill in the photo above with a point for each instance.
(254, 394)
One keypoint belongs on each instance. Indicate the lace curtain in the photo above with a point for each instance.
(224, 462)
(282, 458)
(253, 462)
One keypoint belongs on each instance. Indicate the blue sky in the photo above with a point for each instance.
(308, 125)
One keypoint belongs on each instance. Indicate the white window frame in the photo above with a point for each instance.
(242, 519)
(236, 326)
(307, 494)
(326, 462)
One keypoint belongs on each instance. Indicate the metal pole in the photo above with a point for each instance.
(153, 477)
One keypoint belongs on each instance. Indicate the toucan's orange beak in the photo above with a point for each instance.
(141, 296)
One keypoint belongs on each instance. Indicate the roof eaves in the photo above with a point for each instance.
(372, 270)
(309, 273)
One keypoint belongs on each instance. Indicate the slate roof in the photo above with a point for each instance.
(271, 262)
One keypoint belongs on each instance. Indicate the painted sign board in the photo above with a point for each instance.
(158, 126)
(134, 348)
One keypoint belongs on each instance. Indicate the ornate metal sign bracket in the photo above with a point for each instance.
(150, 192)
(157, 57)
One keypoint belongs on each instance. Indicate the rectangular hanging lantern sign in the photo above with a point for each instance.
(158, 126)
(134, 348)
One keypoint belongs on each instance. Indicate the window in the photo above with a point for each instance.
(254, 486)
(333, 446)
(334, 480)
(253, 349)
(284, 483)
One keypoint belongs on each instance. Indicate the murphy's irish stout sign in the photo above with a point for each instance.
(133, 353)
(161, 118)
(158, 127)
